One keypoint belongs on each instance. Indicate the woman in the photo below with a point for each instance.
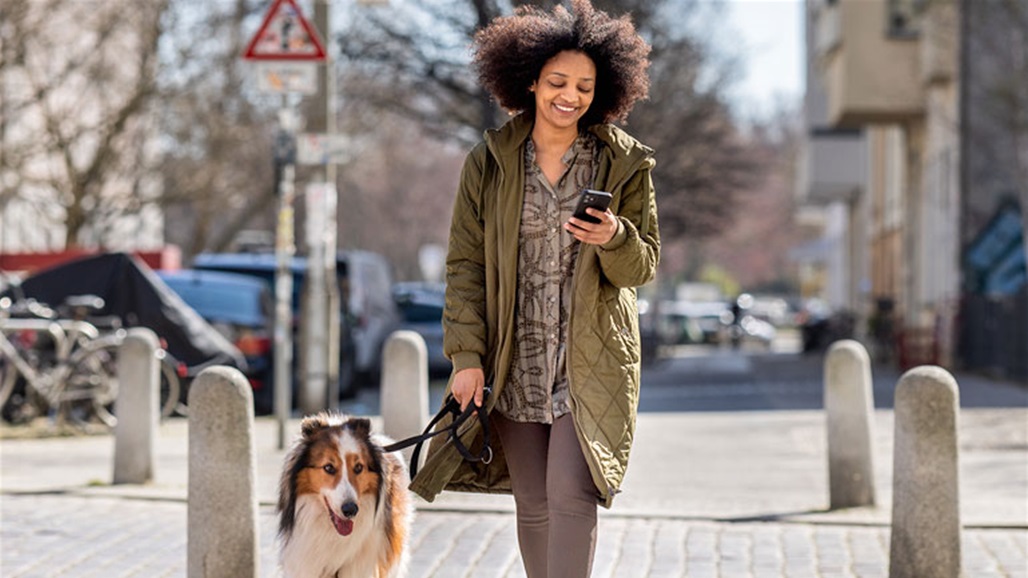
(541, 306)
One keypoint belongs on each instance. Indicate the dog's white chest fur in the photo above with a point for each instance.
(316, 550)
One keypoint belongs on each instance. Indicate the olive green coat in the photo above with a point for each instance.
(603, 334)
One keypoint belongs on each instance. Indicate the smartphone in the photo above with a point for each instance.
(598, 200)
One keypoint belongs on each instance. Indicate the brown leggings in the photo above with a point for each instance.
(554, 494)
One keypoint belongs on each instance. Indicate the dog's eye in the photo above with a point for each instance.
(358, 468)
(329, 469)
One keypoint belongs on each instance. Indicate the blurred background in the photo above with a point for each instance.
(826, 168)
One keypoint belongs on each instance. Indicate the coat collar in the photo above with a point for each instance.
(625, 152)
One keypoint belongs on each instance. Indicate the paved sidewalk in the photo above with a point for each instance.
(715, 494)
(106, 537)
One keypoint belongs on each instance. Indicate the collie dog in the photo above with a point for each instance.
(344, 507)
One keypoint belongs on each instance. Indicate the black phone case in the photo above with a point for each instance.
(599, 200)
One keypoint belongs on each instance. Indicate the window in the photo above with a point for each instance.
(904, 18)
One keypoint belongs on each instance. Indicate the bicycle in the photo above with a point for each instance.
(60, 363)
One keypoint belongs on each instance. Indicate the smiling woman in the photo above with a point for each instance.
(526, 278)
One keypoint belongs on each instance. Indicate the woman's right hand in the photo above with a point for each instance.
(468, 385)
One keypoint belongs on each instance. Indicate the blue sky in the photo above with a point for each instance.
(771, 47)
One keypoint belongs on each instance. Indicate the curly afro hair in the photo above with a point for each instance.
(510, 52)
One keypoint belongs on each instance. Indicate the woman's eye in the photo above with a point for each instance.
(329, 469)
(584, 90)
(557, 85)
(358, 468)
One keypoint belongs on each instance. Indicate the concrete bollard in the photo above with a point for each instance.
(849, 409)
(136, 406)
(404, 401)
(222, 512)
(925, 497)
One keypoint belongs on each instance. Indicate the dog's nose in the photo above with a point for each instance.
(350, 509)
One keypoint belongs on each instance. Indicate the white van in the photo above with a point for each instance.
(367, 287)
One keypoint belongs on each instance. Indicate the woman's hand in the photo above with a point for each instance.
(594, 233)
(468, 385)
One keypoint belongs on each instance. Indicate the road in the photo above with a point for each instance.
(708, 378)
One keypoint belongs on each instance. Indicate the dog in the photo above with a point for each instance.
(344, 507)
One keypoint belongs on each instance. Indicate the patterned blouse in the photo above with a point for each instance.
(537, 390)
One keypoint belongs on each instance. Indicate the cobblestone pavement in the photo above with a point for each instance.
(728, 480)
(47, 535)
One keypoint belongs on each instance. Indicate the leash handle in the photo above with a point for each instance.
(451, 407)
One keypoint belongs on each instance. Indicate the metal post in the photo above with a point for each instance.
(285, 159)
(313, 387)
(321, 324)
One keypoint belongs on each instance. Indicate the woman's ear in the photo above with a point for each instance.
(531, 87)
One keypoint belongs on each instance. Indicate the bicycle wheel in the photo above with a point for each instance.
(19, 403)
(15, 405)
(8, 374)
(91, 387)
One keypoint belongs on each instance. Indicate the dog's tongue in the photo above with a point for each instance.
(343, 526)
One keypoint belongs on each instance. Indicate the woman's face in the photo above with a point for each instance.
(564, 90)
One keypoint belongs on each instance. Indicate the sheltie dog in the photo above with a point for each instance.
(344, 507)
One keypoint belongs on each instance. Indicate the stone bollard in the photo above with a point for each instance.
(222, 512)
(136, 406)
(849, 409)
(404, 400)
(925, 496)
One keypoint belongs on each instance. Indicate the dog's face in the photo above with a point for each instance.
(336, 463)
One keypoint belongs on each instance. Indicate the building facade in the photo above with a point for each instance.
(888, 118)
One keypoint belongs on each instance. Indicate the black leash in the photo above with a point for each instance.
(451, 407)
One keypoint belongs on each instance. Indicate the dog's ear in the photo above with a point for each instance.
(312, 424)
(360, 426)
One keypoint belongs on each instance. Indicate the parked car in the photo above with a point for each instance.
(366, 286)
(421, 305)
(367, 311)
(240, 308)
(690, 322)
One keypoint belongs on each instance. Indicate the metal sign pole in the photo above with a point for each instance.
(327, 89)
(287, 50)
(285, 159)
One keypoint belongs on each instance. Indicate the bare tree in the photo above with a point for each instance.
(216, 166)
(416, 66)
(755, 250)
(705, 163)
(398, 195)
(79, 79)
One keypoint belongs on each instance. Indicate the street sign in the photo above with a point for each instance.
(287, 76)
(322, 149)
(285, 35)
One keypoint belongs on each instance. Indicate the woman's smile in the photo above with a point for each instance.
(564, 90)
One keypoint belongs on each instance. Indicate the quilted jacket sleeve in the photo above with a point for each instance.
(464, 328)
(630, 258)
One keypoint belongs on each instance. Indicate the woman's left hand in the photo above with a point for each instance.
(594, 233)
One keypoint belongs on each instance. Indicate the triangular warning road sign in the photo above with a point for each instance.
(285, 35)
